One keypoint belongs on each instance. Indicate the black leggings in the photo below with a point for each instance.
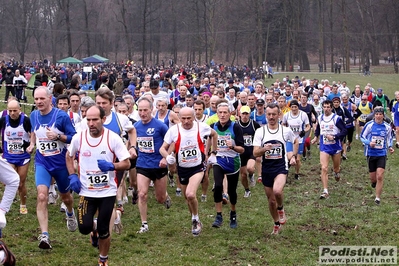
(349, 134)
(232, 182)
(87, 209)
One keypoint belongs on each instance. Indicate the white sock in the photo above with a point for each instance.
(377, 199)
(325, 191)
(2, 257)
(3, 221)
(51, 189)
(195, 217)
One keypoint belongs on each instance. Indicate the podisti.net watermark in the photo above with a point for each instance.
(357, 254)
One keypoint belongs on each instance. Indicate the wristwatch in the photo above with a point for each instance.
(58, 136)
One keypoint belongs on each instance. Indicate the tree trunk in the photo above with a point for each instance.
(346, 42)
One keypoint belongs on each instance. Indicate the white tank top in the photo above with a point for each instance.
(96, 183)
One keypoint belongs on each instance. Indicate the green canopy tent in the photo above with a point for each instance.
(31, 82)
(70, 60)
(101, 58)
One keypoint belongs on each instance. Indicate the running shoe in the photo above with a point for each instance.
(397, 145)
(324, 195)
(377, 201)
(344, 157)
(348, 149)
(63, 207)
(276, 229)
(52, 198)
(281, 216)
(337, 176)
(117, 228)
(23, 210)
(196, 228)
(296, 176)
(130, 192)
(233, 220)
(143, 229)
(218, 221)
(168, 202)
(125, 199)
(373, 184)
(135, 197)
(308, 155)
(171, 181)
(102, 262)
(72, 223)
(9, 258)
(247, 193)
(259, 179)
(178, 192)
(203, 198)
(44, 242)
(94, 238)
(252, 181)
(225, 198)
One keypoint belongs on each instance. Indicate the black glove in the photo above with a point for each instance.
(302, 133)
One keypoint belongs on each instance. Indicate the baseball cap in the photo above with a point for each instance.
(230, 81)
(260, 101)
(379, 90)
(245, 109)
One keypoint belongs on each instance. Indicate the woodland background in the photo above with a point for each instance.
(284, 33)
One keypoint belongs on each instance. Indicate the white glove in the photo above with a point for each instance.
(212, 159)
(171, 159)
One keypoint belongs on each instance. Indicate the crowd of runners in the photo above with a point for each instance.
(158, 128)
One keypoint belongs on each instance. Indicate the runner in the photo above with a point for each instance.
(298, 122)
(97, 186)
(151, 166)
(270, 143)
(52, 130)
(332, 130)
(16, 128)
(187, 138)
(248, 127)
(377, 136)
(227, 162)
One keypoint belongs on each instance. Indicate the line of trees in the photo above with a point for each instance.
(284, 33)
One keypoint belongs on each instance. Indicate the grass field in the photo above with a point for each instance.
(348, 217)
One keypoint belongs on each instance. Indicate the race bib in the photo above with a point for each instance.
(363, 117)
(15, 146)
(145, 144)
(222, 143)
(189, 154)
(48, 147)
(379, 142)
(248, 140)
(295, 129)
(328, 142)
(276, 152)
(97, 180)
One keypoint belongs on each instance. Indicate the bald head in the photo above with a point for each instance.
(13, 104)
(14, 109)
(186, 111)
(187, 117)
